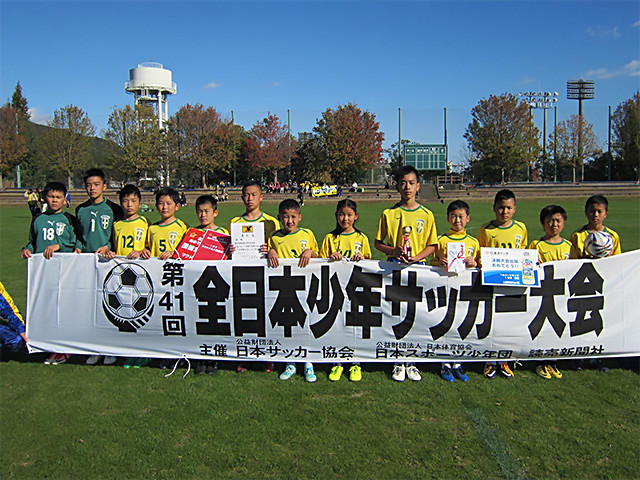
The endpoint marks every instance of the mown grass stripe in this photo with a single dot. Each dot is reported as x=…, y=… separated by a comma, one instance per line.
x=509, y=467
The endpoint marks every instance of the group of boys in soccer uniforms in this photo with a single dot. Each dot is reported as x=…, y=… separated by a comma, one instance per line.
x=406, y=233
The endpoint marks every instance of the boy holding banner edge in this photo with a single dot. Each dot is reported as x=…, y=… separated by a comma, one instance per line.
x=407, y=234
x=503, y=232
x=458, y=218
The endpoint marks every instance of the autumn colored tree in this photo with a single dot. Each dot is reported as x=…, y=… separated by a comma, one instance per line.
x=269, y=147
x=626, y=139
x=501, y=138
x=308, y=163
x=13, y=143
x=137, y=141
x=566, y=146
x=199, y=138
x=350, y=141
x=395, y=157
x=68, y=141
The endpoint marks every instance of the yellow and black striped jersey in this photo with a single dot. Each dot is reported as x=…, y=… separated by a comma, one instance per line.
x=161, y=238
x=347, y=244
x=513, y=236
x=130, y=235
x=291, y=245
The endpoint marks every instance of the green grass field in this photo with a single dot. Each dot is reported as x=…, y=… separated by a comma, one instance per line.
x=73, y=421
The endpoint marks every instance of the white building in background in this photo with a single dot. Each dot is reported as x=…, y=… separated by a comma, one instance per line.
x=151, y=84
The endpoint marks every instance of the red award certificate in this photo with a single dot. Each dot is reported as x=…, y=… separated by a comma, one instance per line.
x=203, y=245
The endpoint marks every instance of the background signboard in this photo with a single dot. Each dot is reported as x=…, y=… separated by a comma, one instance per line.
x=426, y=157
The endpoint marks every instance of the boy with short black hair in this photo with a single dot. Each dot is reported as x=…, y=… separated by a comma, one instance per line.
x=293, y=241
x=130, y=233
x=252, y=197
x=551, y=246
x=407, y=234
x=596, y=210
x=458, y=218
x=164, y=236
x=53, y=231
x=97, y=215
x=503, y=232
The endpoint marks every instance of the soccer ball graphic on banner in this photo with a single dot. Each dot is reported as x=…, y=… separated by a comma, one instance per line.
x=598, y=244
x=127, y=298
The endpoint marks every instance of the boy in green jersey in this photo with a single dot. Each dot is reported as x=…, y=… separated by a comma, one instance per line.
x=52, y=231
x=97, y=215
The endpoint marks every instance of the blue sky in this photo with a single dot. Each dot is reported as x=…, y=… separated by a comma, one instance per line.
x=306, y=56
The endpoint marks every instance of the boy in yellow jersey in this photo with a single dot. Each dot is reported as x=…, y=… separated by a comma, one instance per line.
x=503, y=232
x=293, y=241
x=252, y=196
x=13, y=338
x=458, y=218
x=207, y=211
x=596, y=210
x=551, y=247
x=130, y=233
x=164, y=236
x=407, y=233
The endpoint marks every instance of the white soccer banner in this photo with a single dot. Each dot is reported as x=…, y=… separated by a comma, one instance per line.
x=367, y=311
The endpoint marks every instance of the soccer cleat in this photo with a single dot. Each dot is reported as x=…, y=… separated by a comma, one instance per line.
x=130, y=362
x=200, y=368
x=49, y=360
x=109, y=360
x=309, y=374
x=212, y=367
x=552, y=369
x=289, y=371
x=447, y=374
x=490, y=370
x=336, y=373
x=61, y=358
x=242, y=367
x=460, y=374
x=93, y=360
x=399, y=373
x=413, y=373
x=505, y=371
x=542, y=371
x=268, y=368
x=355, y=373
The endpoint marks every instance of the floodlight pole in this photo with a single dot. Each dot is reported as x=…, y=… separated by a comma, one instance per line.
x=580, y=90
x=400, y=135
x=555, y=144
x=544, y=101
x=609, y=166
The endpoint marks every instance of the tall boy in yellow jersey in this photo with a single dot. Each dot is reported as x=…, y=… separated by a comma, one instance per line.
x=164, y=236
x=252, y=196
x=596, y=210
x=292, y=241
x=423, y=239
x=130, y=233
x=503, y=232
x=551, y=247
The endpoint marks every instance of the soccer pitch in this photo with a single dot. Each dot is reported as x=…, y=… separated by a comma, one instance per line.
x=72, y=421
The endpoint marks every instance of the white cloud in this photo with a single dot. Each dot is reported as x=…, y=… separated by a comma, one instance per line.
x=211, y=85
x=527, y=80
x=274, y=84
x=603, y=32
x=637, y=24
x=631, y=69
x=37, y=117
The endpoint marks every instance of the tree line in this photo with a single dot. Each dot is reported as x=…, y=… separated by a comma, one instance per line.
x=199, y=147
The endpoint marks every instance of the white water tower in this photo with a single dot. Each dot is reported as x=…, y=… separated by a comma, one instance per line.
x=151, y=84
